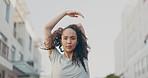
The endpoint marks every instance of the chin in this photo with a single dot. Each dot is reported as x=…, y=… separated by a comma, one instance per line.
x=68, y=51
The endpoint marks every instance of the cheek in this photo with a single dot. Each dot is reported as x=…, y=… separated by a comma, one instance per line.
x=63, y=42
x=75, y=43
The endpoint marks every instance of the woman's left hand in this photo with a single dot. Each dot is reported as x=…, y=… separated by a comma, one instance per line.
x=72, y=13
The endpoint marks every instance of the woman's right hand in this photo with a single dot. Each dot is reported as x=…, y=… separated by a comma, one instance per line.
x=73, y=13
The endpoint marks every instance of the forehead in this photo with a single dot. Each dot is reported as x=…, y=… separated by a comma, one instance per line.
x=69, y=32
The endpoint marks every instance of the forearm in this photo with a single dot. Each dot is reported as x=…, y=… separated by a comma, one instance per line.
x=81, y=27
x=50, y=25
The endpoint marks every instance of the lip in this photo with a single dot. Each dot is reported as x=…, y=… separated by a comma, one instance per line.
x=68, y=46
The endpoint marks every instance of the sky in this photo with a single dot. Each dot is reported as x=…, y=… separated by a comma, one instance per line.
x=102, y=24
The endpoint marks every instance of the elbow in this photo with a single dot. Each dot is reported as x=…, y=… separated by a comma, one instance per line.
x=47, y=29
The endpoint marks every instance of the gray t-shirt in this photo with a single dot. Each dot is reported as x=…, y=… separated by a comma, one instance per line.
x=62, y=67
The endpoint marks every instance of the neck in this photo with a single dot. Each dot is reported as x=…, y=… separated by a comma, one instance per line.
x=68, y=54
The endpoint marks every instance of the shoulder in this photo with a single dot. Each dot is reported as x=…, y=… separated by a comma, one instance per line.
x=54, y=54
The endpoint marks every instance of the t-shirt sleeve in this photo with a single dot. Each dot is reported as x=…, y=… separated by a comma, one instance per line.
x=54, y=55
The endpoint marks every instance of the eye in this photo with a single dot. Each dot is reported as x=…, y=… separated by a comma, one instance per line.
x=73, y=38
x=65, y=38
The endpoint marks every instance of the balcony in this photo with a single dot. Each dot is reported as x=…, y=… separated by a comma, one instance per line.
x=4, y=49
x=22, y=68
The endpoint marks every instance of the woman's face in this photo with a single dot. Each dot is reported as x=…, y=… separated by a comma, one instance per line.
x=69, y=40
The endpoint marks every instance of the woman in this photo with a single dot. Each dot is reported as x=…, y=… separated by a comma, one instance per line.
x=70, y=40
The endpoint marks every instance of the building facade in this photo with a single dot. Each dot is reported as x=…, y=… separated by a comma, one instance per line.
x=19, y=54
x=131, y=46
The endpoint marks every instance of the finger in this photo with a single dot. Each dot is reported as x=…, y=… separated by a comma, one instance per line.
x=73, y=15
x=80, y=14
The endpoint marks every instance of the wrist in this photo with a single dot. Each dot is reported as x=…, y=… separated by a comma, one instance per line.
x=64, y=13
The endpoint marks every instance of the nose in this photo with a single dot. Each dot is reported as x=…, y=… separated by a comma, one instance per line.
x=69, y=41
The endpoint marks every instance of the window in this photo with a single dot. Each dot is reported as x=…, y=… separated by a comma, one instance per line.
x=6, y=9
x=139, y=67
x=136, y=70
x=30, y=43
x=0, y=47
x=4, y=49
x=144, y=66
x=20, y=41
x=21, y=57
x=13, y=50
x=14, y=30
x=2, y=74
x=146, y=39
x=147, y=62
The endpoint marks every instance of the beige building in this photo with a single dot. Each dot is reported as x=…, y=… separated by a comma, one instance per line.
x=131, y=46
x=19, y=54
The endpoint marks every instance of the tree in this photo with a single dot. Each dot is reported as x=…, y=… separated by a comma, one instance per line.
x=112, y=76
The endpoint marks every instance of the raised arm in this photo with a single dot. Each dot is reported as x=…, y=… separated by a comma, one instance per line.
x=81, y=27
x=50, y=25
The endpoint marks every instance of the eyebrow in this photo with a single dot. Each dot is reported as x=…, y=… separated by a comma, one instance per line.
x=69, y=36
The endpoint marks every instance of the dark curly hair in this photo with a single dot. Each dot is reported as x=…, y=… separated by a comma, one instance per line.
x=81, y=50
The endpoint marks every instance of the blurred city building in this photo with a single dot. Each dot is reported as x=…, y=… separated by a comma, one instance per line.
x=131, y=46
x=19, y=53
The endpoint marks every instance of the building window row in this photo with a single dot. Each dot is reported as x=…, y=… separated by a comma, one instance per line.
x=6, y=9
x=141, y=67
x=4, y=49
x=2, y=74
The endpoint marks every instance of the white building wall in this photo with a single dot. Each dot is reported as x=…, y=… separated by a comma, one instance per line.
x=119, y=54
x=134, y=50
x=6, y=28
x=25, y=37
